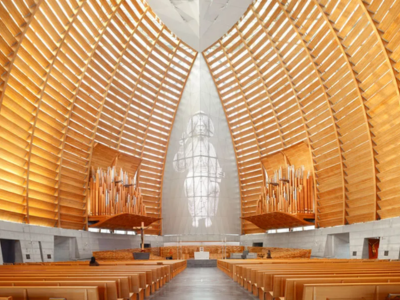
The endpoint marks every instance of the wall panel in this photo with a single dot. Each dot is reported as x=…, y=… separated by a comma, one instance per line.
x=79, y=73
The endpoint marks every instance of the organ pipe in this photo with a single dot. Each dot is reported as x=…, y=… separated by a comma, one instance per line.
x=288, y=190
x=113, y=192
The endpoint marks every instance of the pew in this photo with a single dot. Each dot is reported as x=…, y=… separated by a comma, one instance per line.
x=6, y=298
x=284, y=285
x=350, y=291
x=122, y=283
x=136, y=282
x=131, y=278
x=271, y=279
x=107, y=290
x=259, y=276
x=46, y=292
x=295, y=287
x=150, y=275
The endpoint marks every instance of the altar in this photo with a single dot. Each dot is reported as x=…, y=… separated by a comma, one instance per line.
x=202, y=255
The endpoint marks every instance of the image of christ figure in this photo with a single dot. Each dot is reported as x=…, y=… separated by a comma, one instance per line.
x=197, y=157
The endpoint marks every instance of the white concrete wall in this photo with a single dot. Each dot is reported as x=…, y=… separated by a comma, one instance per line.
x=202, y=237
x=338, y=245
x=64, y=248
x=387, y=230
x=87, y=242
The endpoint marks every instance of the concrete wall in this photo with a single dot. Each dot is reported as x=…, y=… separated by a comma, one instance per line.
x=338, y=245
x=86, y=242
x=65, y=248
x=318, y=240
x=202, y=237
x=387, y=230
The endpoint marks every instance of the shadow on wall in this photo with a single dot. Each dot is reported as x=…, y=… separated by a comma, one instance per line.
x=10, y=251
x=338, y=246
x=65, y=248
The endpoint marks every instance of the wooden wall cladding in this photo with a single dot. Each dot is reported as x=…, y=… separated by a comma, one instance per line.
x=104, y=157
x=216, y=252
x=126, y=254
x=297, y=155
x=76, y=73
x=322, y=71
x=281, y=252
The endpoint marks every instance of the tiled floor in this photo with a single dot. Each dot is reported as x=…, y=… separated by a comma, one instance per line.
x=202, y=284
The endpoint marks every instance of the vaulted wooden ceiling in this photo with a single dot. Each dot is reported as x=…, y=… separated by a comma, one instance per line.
x=323, y=71
x=74, y=73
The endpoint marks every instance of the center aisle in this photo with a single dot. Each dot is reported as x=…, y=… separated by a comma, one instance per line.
x=202, y=284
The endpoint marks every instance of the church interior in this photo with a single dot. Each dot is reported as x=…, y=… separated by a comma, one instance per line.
x=199, y=149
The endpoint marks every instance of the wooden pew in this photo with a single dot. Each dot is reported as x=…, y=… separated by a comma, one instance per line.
x=6, y=298
x=122, y=283
x=350, y=291
x=107, y=289
x=295, y=287
x=259, y=277
x=150, y=284
x=269, y=276
x=151, y=274
x=46, y=292
x=136, y=282
x=132, y=278
x=282, y=283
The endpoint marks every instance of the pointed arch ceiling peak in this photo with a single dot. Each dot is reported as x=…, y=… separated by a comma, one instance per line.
x=199, y=23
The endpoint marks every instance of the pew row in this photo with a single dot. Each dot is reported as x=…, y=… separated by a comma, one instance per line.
x=351, y=291
x=130, y=280
x=107, y=290
x=269, y=279
x=46, y=292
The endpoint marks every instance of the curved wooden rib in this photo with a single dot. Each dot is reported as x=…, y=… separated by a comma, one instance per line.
x=124, y=221
x=381, y=43
x=56, y=217
x=81, y=72
x=353, y=78
x=70, y=86
x=112, y=77
x=289, y=79
x=18, y=41
x=365, y=118
x=276, y=220
x=383, y=15
x=380, y=94
x=340, y=161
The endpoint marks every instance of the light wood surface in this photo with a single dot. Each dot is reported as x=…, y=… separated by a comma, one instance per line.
x=322, y=72
x=122, y=221
x=293, y=278
x=76, y=74
x=127, y=279
x=276, y=219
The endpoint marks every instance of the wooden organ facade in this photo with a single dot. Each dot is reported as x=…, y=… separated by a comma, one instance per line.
x=81, y=73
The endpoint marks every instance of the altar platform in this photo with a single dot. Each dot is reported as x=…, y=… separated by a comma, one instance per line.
x=201, y=263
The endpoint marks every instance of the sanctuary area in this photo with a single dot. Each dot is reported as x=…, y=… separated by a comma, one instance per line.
x=199, y=149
